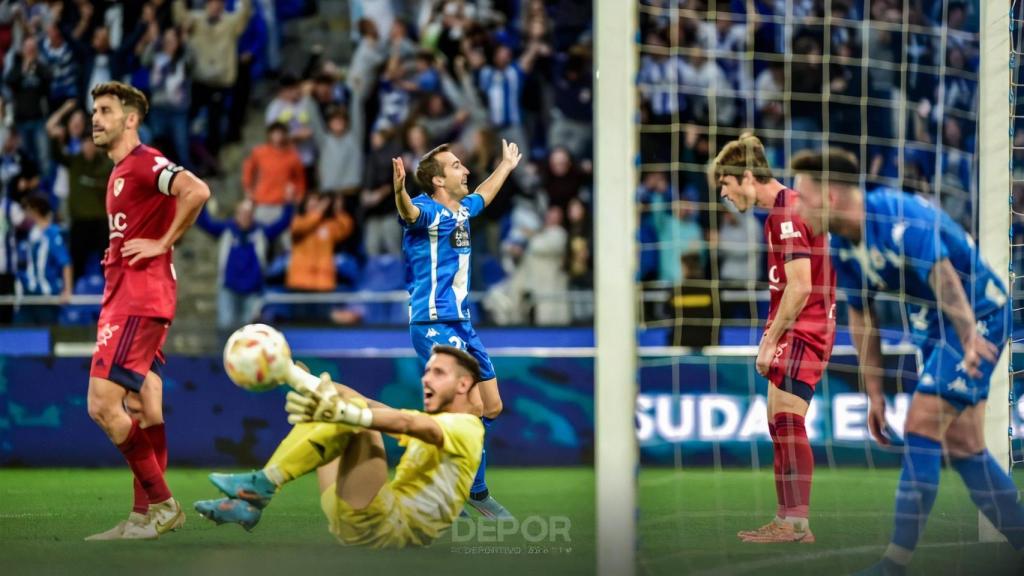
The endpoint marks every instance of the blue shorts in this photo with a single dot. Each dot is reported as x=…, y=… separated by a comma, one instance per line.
x=939, y=369
x=458, y=334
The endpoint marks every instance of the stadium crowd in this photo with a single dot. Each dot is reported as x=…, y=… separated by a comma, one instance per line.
x=316, y=212
x=888, y=82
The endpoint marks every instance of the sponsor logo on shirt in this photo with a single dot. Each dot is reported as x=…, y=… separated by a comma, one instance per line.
x=460, y=238
x=787, y=231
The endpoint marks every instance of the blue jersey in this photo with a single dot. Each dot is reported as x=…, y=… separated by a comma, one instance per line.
x=42, y=258
x=437, y=249
x=904, y=237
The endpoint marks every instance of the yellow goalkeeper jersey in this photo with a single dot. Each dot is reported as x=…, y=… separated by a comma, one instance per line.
x=432, y=483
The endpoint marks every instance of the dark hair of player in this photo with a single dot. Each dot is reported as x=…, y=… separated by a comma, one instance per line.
x=37, y=204
x=463, y=358
x=744, y=153
x=275, y=126
x=430, y=167
x=834, y=165
x=129, y=96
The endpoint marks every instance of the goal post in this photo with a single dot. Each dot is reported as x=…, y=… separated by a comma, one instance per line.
x=994, y=218
x=616, y=452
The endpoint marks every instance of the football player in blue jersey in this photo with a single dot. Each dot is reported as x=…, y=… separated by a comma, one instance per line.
x=959, y=313
x=437, y=251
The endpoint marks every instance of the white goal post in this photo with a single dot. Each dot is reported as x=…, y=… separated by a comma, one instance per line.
x=994, y=214
x=615, y=140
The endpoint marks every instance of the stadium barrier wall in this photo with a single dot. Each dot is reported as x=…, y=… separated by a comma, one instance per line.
x=714, y=417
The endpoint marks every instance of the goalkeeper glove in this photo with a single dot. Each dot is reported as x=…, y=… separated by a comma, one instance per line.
x=324, y=405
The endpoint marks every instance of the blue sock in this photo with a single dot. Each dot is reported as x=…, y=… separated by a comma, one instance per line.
x=994, y=493
x=479, y=489
x=919, y=483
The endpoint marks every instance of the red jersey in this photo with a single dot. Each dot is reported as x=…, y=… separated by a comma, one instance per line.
x=140, y=205
x=789, y=237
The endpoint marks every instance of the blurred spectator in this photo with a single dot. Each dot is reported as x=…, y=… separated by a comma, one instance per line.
x=537, y=291
x=272, y=173
x=29, y=79
x=12, y=217
x=806, y=84
x=580, y=258
x=19, y=174
x=382, y=234
x=169, y=83
x=502, y=86
x=704, y=79
x=295, y=110
x=738, y=264
x=320, y=224
x=676, y=226
x=63, y=63
x=341, y=144
x=572, y=115
x=562, y=179
x=243, y=245
x=101, y=63
x=87, y=173
x=213, y=38
x=44, y=264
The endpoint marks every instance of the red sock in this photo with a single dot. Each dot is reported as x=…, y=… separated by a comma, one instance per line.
x=797, y=463
x=139, y=453
x=780, y=509
x=158, y=440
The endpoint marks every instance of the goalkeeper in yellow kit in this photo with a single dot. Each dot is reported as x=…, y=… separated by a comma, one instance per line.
x=338, y=433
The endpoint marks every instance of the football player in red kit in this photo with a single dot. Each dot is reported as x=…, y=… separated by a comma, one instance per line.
x=151, y=202
x=797, y=340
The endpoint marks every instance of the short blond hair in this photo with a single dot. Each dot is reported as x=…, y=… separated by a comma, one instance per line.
x=742, y=154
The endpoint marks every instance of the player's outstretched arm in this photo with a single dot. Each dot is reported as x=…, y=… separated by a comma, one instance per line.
x=406, y=209
x=192, y=193
x=311, y=406
x=510, y=158
x=868, y=344
x=949, y=293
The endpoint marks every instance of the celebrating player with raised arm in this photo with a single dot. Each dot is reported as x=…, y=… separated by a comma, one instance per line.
x=151, y=202
x=959, y=311
x=437, y=251
x=797, y=340
x=338, y=433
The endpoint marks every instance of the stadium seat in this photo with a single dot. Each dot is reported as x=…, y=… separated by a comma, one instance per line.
x=382, y=274
x=84, y=314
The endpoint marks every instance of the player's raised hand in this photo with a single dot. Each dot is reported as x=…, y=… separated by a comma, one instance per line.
x=142, y=248
x=510, y=153
x=398, y=170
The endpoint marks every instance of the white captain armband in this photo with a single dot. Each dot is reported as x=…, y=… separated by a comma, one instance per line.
x=166, y=176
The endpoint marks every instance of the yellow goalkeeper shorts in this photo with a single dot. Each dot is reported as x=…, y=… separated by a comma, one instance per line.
x=382, y=524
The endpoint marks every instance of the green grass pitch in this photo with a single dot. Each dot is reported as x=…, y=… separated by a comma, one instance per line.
x=44, y=514
x=688, y=521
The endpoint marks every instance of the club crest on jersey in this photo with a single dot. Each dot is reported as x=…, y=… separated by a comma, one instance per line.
x=118, y=186
x=787, y=231
x=459, y=238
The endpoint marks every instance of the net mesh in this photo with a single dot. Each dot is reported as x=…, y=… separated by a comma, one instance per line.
x=895, y=82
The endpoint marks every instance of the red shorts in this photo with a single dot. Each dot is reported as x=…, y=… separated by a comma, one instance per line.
x=127, y=347
x=796, y=360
